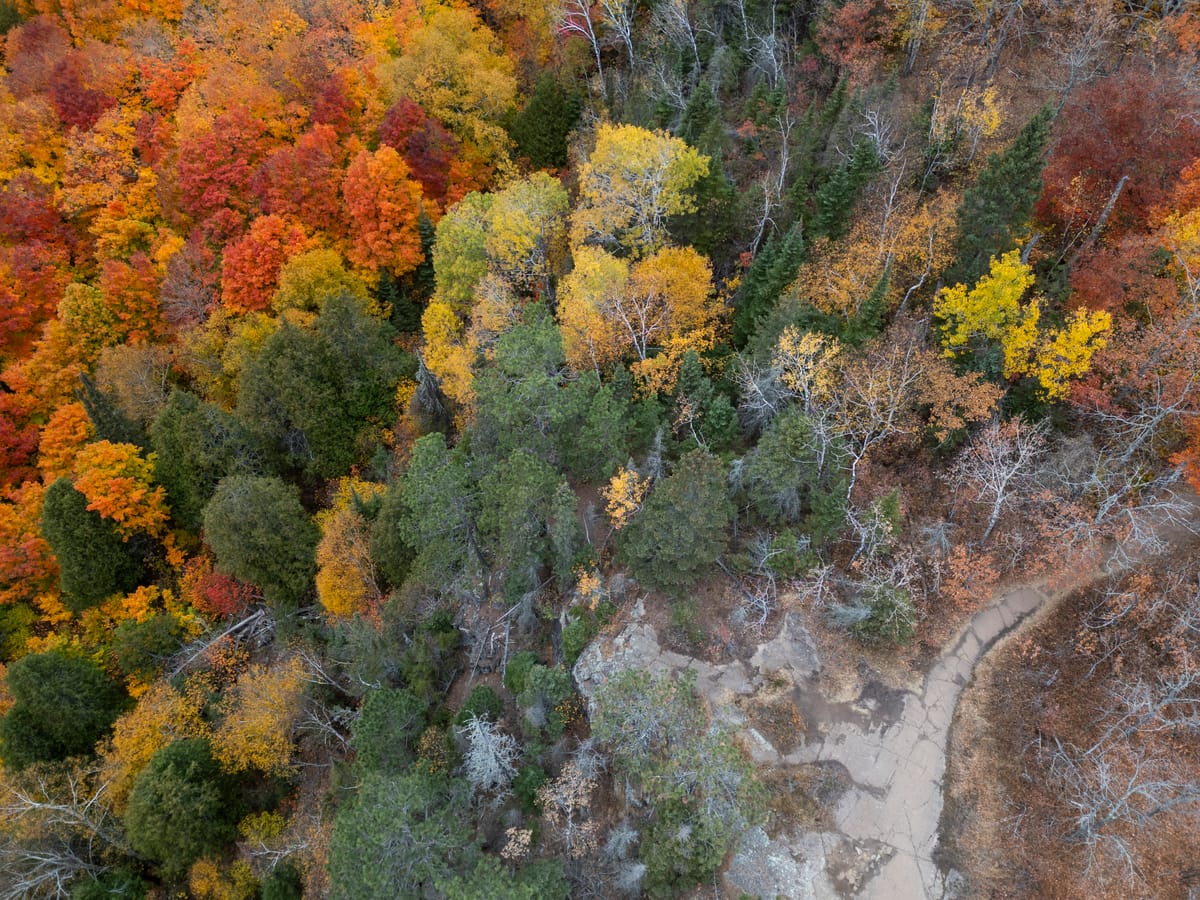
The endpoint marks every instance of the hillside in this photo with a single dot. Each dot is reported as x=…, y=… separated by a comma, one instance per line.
x=543, y=449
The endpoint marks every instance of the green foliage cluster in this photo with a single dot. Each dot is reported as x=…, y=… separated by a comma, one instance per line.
x=198, y=444
x=699, y=785
x=261, y=534
x=385, y=735
x=62, y=705
x=680, y=530
x=307, y=395
x=996, y=210
x=182, y=807
x=93, y=562
x=791, y=477
x=398, y=836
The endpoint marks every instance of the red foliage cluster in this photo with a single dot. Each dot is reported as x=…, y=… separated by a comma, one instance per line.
x=252, y=264
x=216, y=169
x=1155, y=112
x=426, y=145
x=302, y=181
x=223, y=596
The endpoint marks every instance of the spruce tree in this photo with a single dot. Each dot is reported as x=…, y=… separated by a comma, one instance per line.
x=995, y=211
x=835, y=198
x=93, y=562
x=540, y=130
x=771, y=272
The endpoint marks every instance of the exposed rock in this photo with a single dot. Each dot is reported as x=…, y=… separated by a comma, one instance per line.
x=793, y=869
x=793, y=648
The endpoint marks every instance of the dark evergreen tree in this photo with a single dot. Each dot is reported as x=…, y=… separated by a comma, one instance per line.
x=995, y=211
x=141, y=648
x=680, y=530
x=182, y=807
x=108, y=421
x=541, y=128
x=836, y=197
x=309, y=394
x=261, y=534
x=868, y=322
x=527, y=399
x=704, y=415
x=792, y=472
x=62, y=705
x=197, y=444
x=389, y=549
x=385, y=735
x=441, y=509
x=93, y=562
x=716, y=216
x=398, y=835
x=491, y=880
x=515, y=507
x=565, y=533
x=769, y=275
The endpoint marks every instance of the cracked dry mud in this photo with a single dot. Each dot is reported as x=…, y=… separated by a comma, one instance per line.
x=890, y=744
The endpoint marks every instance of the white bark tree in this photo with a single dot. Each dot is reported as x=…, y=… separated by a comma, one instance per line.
x=998, y=462
x=490, y=760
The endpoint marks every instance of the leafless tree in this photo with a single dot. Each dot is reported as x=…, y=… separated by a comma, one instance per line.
x=574, y=17
x=58, y=824
x=998, y=462
x=762, y=395
x=673, y=19
x=490, y=759
x=618, y=16
x=875, y=397
x=1126, y=783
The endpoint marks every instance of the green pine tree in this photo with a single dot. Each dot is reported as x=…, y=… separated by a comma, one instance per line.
x=995, y=211
x=771, y=272
x=93, y=562
x=835, y=198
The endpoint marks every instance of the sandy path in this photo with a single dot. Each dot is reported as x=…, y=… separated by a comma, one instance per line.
x=892, y=744
x=896, y=765
x=897, y=762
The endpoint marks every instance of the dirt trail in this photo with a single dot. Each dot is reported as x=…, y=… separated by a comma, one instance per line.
x=896, y=762
x=890, y=742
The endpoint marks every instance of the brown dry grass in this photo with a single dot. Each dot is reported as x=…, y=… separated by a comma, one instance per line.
x=1004, y=823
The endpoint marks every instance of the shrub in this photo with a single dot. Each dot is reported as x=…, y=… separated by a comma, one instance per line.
x=61, y=706
x=483, y=703
x=387, y=731
x=517, y=670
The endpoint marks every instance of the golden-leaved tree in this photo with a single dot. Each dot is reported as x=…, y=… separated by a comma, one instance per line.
x=348, y=581
x=633, y=181
x=992, y=313
x=652, y=311
x=260, y=712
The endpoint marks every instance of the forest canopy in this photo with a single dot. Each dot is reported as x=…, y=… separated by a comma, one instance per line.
x=370, y=370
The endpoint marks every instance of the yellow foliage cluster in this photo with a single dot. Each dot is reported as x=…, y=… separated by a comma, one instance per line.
x=162, y=716
x=259, y=714
x=993, y=311
x=347, y=582
x=308, y=279
x=446, y=352
x=805, y=361
x=631, y=184
x=655, y=310
x=211, y=880
x=624, y=495
x=907, y=242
